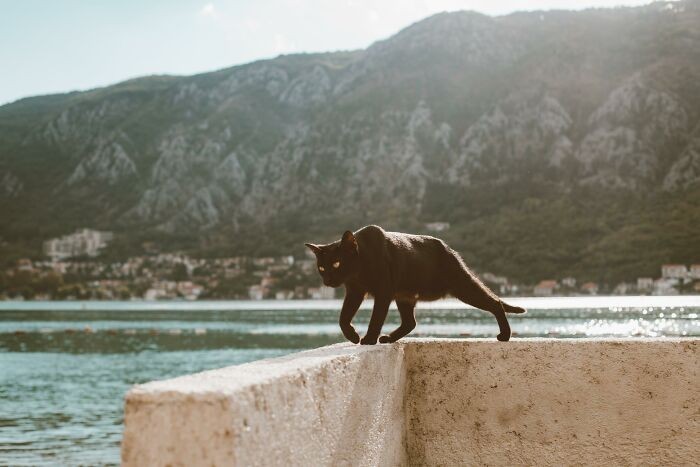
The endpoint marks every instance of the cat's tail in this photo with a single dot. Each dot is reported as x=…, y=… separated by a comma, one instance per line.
x=513, y=309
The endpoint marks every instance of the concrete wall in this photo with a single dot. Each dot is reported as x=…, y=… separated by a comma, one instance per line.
x=553, y=402
x=429, y=402
x=338, y=405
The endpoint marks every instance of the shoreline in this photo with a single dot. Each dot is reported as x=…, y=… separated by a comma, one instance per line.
x=555, y=302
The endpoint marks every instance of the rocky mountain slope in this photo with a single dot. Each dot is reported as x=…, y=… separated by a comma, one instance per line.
x=567, y=127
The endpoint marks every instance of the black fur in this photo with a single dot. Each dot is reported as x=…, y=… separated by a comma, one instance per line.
x=401, y=267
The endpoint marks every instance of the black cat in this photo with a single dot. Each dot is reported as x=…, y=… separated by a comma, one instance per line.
x=402, y=267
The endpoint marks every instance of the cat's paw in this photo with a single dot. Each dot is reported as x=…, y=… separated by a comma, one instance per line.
x=351, y=335
x=503, y=337
x=368, y=340
x=385, y=339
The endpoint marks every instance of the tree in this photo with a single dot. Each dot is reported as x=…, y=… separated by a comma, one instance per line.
x=179, y=273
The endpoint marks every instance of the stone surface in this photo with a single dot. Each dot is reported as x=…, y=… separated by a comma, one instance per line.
x=430, y=402
x=338, y=405
x=553, y=402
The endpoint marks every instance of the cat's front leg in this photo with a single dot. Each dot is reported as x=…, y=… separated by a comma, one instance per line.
x=408, y=322
x=379, y=312
x=352, y=302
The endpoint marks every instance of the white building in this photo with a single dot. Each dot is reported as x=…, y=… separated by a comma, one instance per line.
x=665, y=287
x=84, y=242
x=623, y=288
x=645, y=284
x=695, y=271
x=437, y=226
x=490, y=277
x=674, y=271
x=189, y=290
x=25, y=264
x=545, y=288
x=255, y=292
x=590, y=288
x=323, y=293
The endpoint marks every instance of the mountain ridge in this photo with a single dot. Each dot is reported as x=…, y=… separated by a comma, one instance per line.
x=459, y=117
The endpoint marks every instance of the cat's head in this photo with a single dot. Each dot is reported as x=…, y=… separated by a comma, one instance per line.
x=337, y=261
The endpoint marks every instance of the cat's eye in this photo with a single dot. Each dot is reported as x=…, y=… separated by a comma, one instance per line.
x=321, y=268
x=336, y=264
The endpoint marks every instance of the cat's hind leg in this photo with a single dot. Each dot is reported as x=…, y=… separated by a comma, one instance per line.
x=408, y=322
x=469, y=289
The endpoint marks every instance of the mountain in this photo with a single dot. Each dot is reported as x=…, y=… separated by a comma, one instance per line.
x=555, y=143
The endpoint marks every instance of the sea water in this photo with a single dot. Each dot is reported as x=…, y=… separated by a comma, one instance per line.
x=65, y=366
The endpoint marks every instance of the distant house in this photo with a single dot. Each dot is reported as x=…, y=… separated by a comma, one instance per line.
x=25, y=264
x=545, y=288
x=695, y=271
x=665, y=286
x=623, y=288
x=437, y=226
x=569, y=282
x=160, y=290
x=284, y=295
x=645, y=284
x=152, y=294
x=84, y=242
x=323, y=293
x=590, y=288
x=674, y=271
x=494, y=279
x=255, y=292
x=189, y=290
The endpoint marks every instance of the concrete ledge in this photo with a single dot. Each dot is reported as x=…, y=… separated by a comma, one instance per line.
x=429, y=402
x=338, y=405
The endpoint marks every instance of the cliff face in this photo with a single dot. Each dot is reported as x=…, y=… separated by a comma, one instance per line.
x=456, y=108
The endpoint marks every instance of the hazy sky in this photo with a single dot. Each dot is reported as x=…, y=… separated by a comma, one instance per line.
x=51, y=46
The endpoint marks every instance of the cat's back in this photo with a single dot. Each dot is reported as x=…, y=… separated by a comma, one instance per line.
x=416, y=244
x=401, y=244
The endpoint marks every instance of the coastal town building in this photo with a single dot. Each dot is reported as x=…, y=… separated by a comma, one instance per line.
x=437, y=226
x=674, y=271
x=256, y=292
x=590, y=288
x=645, y=284
x=545, y=288
x=494, y=279
x=624, y=288
x=84, y=242
x=665, y=286
x=25, y=264
x=321, y=293
x=694, y=271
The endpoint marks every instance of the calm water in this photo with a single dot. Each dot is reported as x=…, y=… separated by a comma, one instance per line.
x=65, y=366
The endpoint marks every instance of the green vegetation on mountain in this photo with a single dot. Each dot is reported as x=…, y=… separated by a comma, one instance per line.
x=555, y=143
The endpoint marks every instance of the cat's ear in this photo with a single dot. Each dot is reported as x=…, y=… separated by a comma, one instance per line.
x=349, y=241
x=315, y=248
